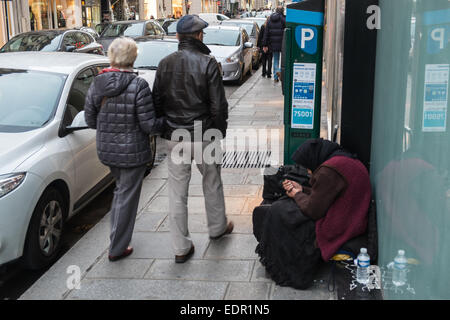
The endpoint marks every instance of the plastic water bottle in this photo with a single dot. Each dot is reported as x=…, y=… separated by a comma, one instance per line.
x=362, y=272
x=399, y=270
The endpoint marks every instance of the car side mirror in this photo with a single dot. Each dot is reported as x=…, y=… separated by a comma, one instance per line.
x=78, y=123
x=248, y=45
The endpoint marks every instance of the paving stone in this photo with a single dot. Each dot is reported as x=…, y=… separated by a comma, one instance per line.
x=233, y=246
x=158, y=245
x=126, y=269
x=133, y=289
x=213, y=270
x=259, y=273
x=197, y=223
x=251, y=204
x=148, y=192
x=314, y=293
x=229, y=190
x=248, y=291
x=53, y=284
x=149, y=221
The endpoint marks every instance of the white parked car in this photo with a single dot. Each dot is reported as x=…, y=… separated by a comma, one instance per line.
x=232, y=48
x=49, y=167
x=213, y=18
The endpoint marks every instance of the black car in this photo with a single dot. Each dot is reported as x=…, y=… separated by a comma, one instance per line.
x=132, y=29
x=54, y=40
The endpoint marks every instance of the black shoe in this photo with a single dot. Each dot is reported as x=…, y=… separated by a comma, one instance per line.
x=184, y=258
x=263, y=75
x=269, y=76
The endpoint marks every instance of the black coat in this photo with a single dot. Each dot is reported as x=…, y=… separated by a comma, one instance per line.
x=273, y=35
x=188, y=87
x=125, y=121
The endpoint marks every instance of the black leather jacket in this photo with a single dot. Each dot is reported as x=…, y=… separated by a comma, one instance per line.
x=188, y=87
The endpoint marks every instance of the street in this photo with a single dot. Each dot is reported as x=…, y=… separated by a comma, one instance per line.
x=14, y=280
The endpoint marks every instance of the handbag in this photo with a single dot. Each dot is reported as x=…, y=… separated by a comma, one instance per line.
x=273, y=180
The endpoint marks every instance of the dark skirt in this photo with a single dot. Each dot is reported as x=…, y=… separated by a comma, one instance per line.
x=286, y=243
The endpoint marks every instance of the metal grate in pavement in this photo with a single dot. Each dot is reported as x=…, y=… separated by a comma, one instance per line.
x=246, y=159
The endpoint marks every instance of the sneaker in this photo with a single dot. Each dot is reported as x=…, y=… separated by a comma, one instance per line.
x=184, y=258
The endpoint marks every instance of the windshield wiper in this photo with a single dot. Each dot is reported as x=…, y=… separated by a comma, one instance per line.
x=147, y=67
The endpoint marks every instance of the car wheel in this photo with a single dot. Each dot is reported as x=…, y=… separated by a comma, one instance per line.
x=153, y=151
x=45, y=231
x=241, y=78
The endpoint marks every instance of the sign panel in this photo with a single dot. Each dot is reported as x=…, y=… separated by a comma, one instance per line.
x=435, y=98
x=303, y=94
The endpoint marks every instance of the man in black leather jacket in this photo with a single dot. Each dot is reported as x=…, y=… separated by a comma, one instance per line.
x=189, y=93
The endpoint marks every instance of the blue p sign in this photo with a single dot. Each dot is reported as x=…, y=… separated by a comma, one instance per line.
x=306, y=37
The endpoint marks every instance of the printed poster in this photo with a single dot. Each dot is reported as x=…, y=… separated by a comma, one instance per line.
x=303, y=94
x=435, y=98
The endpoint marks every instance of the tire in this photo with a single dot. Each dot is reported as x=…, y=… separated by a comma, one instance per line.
x=241, y=79
x=41, y=248
x=152, y=161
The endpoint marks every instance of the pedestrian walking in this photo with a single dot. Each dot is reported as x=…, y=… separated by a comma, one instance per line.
x=273, y=39
x=119, y=105
x=188, y=90
x=266, y=57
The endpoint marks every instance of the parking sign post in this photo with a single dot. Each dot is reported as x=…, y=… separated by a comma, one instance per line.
x=302, y=72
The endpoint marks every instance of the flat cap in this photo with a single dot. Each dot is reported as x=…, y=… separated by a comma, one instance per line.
x=191, y=23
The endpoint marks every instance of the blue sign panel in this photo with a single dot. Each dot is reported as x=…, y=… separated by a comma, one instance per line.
x=306, y=37
x=303, y=117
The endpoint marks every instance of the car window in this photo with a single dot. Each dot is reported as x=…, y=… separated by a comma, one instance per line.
x=158, y=29
x=33, y=42
x=245, y=36
x=23, y=112
x=77, y=95
x=149, y=30
x=123, y=29
x=87, y=38
x=81, y=40
x=70, y=40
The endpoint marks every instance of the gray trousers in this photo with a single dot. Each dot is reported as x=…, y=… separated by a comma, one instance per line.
x=124, y=206
x=179, y=176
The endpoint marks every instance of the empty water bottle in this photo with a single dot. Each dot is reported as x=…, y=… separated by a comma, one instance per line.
x=362, y=272
x=399, y=269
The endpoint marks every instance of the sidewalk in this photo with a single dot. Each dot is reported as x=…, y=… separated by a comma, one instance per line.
x=223, y=269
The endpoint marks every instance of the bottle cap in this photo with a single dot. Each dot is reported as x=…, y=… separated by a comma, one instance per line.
x=401, y=252
x=363, y=250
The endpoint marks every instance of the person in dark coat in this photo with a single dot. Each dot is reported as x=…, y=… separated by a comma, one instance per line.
x=119, y=106
x=313, y=222
x=188, y=91
x=273, y=39
x=266, y=57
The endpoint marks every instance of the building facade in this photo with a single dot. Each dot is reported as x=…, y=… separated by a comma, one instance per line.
x=27, y=15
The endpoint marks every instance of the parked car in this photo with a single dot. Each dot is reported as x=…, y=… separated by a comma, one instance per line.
x=213, y=18
x=49, y=168
x=132, y=29
x=54, y=40
x=170, y=26
x=150, y=53
x=99, y=28
x=253, y=32
x=231, y=46
x=259, y=21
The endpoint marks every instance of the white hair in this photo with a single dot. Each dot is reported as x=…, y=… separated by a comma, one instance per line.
x=122, y=52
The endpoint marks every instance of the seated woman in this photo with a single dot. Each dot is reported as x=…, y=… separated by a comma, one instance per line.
x=313, y=223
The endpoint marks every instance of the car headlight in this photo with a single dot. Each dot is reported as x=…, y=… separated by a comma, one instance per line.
x=233, y=58
x=8, y=182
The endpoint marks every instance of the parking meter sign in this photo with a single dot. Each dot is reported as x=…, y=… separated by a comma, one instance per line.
x=303, y=94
